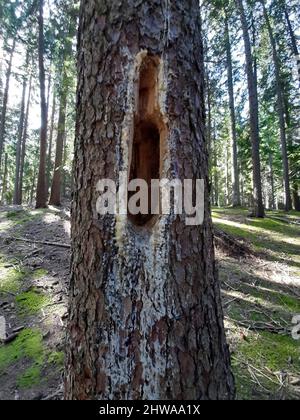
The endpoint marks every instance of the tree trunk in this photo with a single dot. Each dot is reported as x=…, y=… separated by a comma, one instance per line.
x=296, y=197
x=41, y=191
x=50, y=143
x=293, y=41
x=55, y=196
x=16, y=199
x=272, y=201
x=24, y=140
x=4, y=185
x=5, y=102
x=145, y=312
x=254, y=121
x=281, y=117
x=236, y=199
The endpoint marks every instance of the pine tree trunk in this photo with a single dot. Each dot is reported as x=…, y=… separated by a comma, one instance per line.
x=16, y=199
x=254, y=121
x=24, y=140
x=5, y=102
x=55, y=196
x=50, y=143
x=146, y=317
x=293, y=41
x=4, y=185
x=272, y=201
x=296, y=197
x=41, y=191
x=281, y=116
x=236, y=199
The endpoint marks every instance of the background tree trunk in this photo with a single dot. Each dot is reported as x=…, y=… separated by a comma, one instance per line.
x=293, y=40
x=280, y=111
x=55, y=196
x=24, y=140
x=254, y=121
x=5, y=101
x=4, y=185
x=16, y=199
x=236, y=199
x=50, y=143
x=145, y=311
x=41, y=192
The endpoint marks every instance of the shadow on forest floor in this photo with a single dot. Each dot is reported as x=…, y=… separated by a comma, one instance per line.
x=261, y=295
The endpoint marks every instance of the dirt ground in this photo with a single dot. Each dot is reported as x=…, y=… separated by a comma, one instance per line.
x=33, y=301
x=260, y=296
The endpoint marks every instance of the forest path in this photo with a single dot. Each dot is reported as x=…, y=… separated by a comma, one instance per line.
x=33, y=302
x=261, y=294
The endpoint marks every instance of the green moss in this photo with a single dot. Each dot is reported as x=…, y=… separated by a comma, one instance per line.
x=274, y=351
x=30, y=378
x=56, y=358
x=27, y=345
x=293, y=304
x=39, y=273
x=31, y=302
x=11, y=278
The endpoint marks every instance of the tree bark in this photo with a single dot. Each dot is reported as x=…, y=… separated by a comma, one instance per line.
x=272, y=201
x=41, y=191
x=280, y=111
x=293, y=40
x=254, y=120
x=55, y=196
x=145, y=312
x=24, y=140
x=4, y=185
x=236, y=199
x=5, y=101
x=50, y=143
x=16, y=199
x=296, y=197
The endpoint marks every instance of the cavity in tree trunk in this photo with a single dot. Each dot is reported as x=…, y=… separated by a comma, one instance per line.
x=41, y=191
x=5, y=101
x=236, y=199
x=24, y=139
x=254, y=121
x=281, y=116
x=145, y=310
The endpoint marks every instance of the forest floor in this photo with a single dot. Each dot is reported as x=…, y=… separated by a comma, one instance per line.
x=261, y=294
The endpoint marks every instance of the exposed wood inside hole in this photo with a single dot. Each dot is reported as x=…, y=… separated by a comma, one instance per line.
x=149, y=132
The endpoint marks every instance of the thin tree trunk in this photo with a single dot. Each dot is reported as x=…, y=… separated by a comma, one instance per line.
x=281, y=117
x=16, y=199
x=50, y=143
x=24, y=140
x=296, y=197
x=4, y=185
x=293, y=41
x=236, y=199
x=254, y=121
x=272, y=182
x=5, y=101
x=146, y=318
x=55, y=196
x=41, y=191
